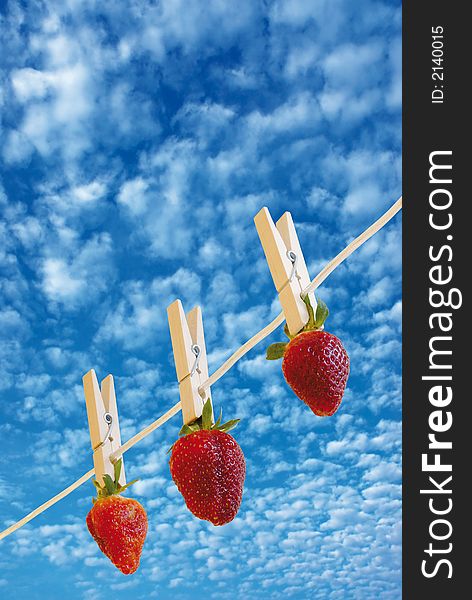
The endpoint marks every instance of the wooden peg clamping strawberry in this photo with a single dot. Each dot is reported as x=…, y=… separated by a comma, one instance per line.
x=315, y=363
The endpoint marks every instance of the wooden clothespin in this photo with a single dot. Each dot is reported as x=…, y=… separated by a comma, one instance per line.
x=191, y=365
x=103, y=422
x=287, y=266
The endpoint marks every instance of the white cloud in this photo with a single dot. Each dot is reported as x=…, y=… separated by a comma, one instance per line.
x=301, y=59
x=30, y=84
x=379, y=293
x=300, y=111
x=75, y=281
x=89, y=192
x=17, y=147
x=133, y=196
x=259, y=367
x=12, y=323
x=205, y=121
x=44, y=122
x=297, y=12
x=384, y=472
x=352, y=65
x=58, y=283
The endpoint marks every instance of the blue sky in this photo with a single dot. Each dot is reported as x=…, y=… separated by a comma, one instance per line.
x=137, y=142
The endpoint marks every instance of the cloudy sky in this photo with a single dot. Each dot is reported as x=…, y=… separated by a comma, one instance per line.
x=138, y=139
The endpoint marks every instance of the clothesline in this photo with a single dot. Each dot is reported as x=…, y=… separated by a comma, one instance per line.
x=224, y=368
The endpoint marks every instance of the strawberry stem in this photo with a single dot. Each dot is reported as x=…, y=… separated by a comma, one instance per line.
x=205, y=422
x=112, y=486
x=315, y=321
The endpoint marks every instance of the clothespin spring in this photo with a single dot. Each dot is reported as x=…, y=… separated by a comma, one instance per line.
x=293, y=258
x=108, y=419
x=197, y=351
x=195, y=348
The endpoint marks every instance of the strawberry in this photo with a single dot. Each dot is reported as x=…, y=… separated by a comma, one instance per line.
x=316, y=367
x=315, y=363
x=118, y=525
x=208, y=467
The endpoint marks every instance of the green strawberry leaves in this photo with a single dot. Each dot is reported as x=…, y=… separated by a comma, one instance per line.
x=228, y=425
x=315, y=321
x=109, y=485
x=207, y=413
x=322, y=313
x=117, y=469
x=205, y=422
x=276, y=351
x=186, y=429
x=112, y=486
x=311, y=314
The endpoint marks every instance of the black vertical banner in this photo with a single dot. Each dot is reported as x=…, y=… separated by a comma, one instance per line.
x=437, y=320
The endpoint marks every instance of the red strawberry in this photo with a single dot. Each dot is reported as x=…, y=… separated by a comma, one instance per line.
x=316, y=367
x=315, y=364
x=118, y=525
x=208, y=467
